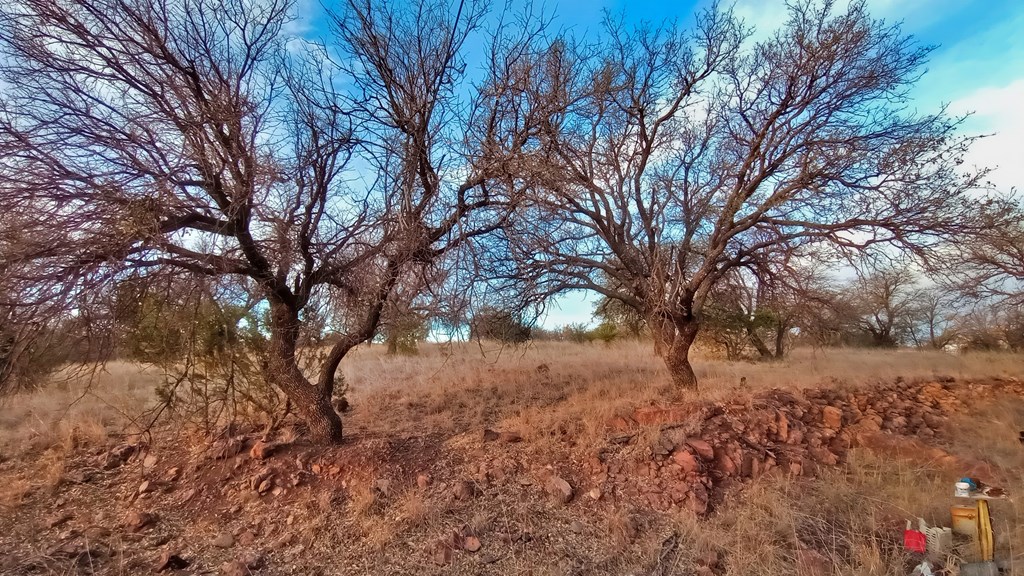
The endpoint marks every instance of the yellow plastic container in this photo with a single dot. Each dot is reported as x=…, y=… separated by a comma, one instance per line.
x=965, y=520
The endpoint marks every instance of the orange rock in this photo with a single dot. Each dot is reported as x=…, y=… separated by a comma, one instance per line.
x=702, y=448
x=649, y=415
x=686, y=461
x=261, y=450
x=724, y=464
x=781, y=426
x=832, y=417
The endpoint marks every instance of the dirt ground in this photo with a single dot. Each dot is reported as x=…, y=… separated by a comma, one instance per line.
x=521, y=467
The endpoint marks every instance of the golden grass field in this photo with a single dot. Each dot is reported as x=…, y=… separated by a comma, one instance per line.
x=454, y=391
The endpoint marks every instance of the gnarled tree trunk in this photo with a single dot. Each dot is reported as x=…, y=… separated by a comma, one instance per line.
x=673, y=342
x=313, y=403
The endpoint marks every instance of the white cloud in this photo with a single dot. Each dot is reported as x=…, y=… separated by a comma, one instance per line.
x=997, y=110
x=768, y=15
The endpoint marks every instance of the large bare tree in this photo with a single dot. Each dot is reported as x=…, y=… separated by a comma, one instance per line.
x=146, y=137
x=678, y=156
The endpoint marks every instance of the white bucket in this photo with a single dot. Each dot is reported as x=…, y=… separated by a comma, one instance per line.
x=963, y=490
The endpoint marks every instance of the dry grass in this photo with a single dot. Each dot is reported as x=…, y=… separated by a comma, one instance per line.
x=72, y=413
x=632, y=364
x=551, y=392
x=459, y=387
x=854, y=516
x=554, y=386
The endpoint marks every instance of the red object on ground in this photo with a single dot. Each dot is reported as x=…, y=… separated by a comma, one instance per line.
x=915, y=541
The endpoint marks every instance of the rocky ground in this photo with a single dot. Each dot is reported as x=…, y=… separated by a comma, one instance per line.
x=479, y=502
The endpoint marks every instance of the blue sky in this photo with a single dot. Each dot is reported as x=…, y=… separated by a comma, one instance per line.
x=977, y=68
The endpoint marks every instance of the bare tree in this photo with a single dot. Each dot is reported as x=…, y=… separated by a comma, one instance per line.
x=762, y=302
x=940, y=322
x=678, y=157
x=144, y=137
x=991, y=266
x=887, y=301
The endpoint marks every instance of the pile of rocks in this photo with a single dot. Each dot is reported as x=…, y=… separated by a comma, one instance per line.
x=687, y=456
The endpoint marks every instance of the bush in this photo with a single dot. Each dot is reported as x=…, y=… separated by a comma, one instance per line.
x=490, y=324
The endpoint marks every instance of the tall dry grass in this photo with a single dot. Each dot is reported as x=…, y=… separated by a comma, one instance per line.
x=453, y=387
x=854, y=516
x=548, y=385
x=71, y=412
x=369, y=367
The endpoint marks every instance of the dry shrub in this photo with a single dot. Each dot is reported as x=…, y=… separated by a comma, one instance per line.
x=363, y=499
x=413, y=508
x=13, y=491
x=623, y=528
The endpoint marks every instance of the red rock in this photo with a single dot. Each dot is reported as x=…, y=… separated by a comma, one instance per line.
x=442, y=554
x=649, y=415
x=751, y=466
x=471, y=544
x=832, y=417
x=262, y=450
x=137, y=521
x=724, y=464
x=464, y=490
x=698, y=501
x=686, y=461
x=796, y=436
x=840, y=444
x=824, y=456
x=559, y=489
x=490, y=435
x=781, y=426
x=702, y=448
x=170, y=561
x=246, y=538
x=423, y=480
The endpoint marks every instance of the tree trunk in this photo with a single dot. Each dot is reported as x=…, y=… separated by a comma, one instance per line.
x=677, y=354
x=315, y=410
x=312, y=403
x=781, y=330
x=392, y=345
x=758, y=343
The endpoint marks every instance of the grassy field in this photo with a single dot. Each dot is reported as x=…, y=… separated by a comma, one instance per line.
x=466, y=385
x=560, y=398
